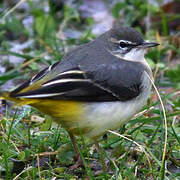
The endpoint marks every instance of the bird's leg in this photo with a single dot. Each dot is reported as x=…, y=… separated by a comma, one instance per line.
x=74, y=145
x=99, y=150
x=79, y=161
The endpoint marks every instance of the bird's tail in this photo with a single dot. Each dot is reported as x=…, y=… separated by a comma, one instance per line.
x=17, y=101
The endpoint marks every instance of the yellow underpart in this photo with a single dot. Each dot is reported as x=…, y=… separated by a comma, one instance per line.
x=67, y=113
x=67, y=110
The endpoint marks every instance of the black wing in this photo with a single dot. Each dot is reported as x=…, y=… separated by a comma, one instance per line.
x=115, y=82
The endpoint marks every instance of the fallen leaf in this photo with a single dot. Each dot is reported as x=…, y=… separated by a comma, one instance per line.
x=37, y=119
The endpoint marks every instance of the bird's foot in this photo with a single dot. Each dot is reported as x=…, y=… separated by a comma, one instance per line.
x=78, y=163
x=106, y=167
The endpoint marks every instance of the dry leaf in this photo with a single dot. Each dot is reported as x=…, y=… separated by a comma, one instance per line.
x=37, y=119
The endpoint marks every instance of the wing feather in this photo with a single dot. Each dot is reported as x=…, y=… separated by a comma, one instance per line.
x=104, y=83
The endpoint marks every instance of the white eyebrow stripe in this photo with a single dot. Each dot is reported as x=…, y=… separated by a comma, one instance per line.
x=41, y=95
x=72, y=72
x=126, y=41
x=64, y=81
x=118, y=41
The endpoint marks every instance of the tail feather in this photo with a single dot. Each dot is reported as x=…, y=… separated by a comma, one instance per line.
x=17, y=101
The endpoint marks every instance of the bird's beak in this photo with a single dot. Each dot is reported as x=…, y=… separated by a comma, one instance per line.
x=146, y=44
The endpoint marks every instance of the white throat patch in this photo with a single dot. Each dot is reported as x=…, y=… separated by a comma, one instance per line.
x=133, y=55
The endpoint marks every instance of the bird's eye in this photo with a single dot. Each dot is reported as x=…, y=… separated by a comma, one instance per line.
x=123, y=44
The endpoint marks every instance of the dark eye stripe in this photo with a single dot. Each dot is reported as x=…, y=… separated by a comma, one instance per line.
x=126, y=45
x=123, y=44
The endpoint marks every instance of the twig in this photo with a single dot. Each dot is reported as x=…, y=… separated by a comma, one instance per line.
x=13, y=8
x=39, y=172
x=48, y=153
x=30, y=167
x=143, y=112
x=140, y=147
x=165, y=123
x=32, y=60
x=6, y=137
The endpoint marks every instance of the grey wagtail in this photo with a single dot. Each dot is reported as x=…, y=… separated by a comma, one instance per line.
x=94, y=88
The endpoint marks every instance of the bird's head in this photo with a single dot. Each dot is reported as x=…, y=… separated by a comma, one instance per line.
x=127, y=43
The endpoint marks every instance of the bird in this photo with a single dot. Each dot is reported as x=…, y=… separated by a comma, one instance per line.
x=96, y=87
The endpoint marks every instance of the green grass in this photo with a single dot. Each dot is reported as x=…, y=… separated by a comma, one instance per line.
x=43, y=150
